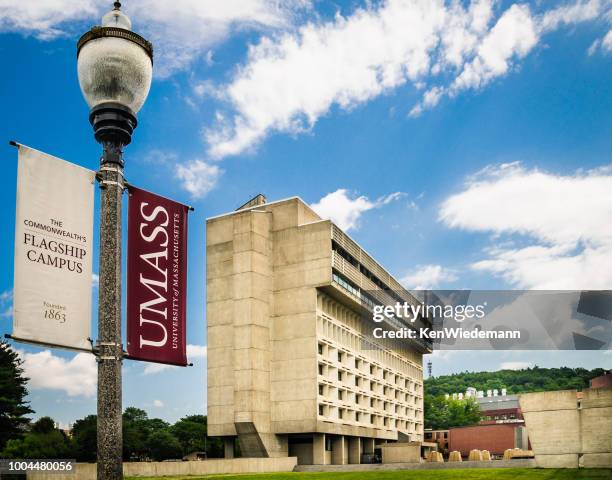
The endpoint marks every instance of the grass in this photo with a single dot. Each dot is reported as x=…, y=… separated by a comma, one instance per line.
x=463, y=474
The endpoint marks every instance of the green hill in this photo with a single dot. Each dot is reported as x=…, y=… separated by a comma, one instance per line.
x=534, y=379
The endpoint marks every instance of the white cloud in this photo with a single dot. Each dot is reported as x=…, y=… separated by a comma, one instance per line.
x=514, y=365
x=95, y=280
x=513, y=36
x=571, y=13
x=76, y=376
x=45, y=19
x=194, y=352
x=153, y=368
x=345, y=211
x=551, y=231
x=158, y=403
x=289, y=81
x=428, y=277
x=198, y=177
x=604, y=44
x=180, y=30
x=6, y=304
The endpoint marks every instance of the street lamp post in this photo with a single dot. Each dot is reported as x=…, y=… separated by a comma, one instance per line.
x=114, y=68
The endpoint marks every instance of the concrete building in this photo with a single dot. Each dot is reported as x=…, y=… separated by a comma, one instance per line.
x=567, y=432
x=292, y=368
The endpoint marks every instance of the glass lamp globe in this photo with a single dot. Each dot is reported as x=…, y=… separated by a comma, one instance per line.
x=115, y=65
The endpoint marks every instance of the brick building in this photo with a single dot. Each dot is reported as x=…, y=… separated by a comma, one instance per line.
x=496, y=438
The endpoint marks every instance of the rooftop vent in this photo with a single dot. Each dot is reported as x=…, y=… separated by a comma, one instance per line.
x=258, y=199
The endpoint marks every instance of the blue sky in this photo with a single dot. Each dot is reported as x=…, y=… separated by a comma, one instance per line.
x=464, y=145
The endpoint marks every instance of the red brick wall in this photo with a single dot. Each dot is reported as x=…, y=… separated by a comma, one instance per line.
x=494, y=438
x=602, y=382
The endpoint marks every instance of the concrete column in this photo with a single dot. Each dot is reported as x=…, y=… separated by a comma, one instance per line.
x=354, y=444
x=368, y=445
x=339, y=451
x=228, y=444
x=318, y=449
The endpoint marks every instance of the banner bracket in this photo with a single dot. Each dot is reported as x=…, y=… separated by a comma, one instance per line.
x=109, y=344
x=13, y=143
x=45, y=344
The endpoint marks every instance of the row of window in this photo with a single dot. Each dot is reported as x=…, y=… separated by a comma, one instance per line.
x=349, y=360
x=331, y=373
x=331, y=393
x=347, y=415
x=342, y=336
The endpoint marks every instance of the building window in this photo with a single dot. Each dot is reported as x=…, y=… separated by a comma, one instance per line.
x=357, y=363
x=371, y=402
x=356, y=381
x=340, y=375
x=384, y=374
x=372, y=386
x=341, y=413
x=321, y=389
x=371, y=369
x=321, y=410
x=328, y=443
x=320, y=349
x=340, y=394
x=358, y=416
x=320, y=369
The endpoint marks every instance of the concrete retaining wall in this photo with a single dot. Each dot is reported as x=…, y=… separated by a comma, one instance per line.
x=401, y=453
x=519, y=463
x=87, y=471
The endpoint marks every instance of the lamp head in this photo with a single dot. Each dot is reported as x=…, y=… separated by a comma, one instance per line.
x=115, y=68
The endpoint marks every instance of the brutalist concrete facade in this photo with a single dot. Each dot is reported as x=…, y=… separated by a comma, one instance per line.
x=291, y=370
x=566, y=432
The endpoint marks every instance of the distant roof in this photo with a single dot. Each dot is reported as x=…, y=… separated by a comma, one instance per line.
x=498, y=403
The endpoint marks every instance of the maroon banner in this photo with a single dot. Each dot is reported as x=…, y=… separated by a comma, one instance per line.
x=156, y=278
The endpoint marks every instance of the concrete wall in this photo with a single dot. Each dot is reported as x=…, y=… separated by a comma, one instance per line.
x=401, y=453
x=87, y=471
x=563, y=435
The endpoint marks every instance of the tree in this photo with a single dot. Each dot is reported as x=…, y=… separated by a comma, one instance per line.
x=135, y=433
x=534, y=379
x=42, y=441
x=85, y=437
x=442, y=413
x=163, y=445
x=43, y=425
x=13, y=391
x=192, y=432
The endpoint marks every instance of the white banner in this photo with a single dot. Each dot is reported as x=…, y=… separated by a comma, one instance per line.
x=53, y=251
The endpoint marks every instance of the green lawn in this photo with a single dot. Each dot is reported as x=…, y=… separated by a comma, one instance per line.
x=460, y=474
